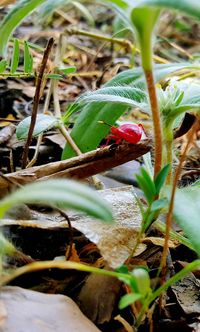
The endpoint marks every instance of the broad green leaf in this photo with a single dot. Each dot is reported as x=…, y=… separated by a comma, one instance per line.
x=15, y=56
x=190, y=7
x=136, y=76
x=14, y=17
x=43, y=123
x=187, y=213
x=28, y=59
x=161, y=177
x=61, y=193
x=114, y=98
x=3, y=65
x=129, y=299
x=87, y=132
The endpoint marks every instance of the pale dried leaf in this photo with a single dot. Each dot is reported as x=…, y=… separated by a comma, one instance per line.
x=33, y=311
x=115, y=241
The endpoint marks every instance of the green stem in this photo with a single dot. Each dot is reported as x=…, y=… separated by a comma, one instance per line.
x=168, y=150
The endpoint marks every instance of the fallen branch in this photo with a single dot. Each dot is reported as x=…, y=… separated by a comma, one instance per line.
x=79, y=167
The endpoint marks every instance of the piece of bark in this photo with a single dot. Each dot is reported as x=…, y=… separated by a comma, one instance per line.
x=79, y=167
x=24, y=310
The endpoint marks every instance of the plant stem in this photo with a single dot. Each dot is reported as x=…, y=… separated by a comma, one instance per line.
x=171, y=204
x=156, y=120
x=120, y=41
x=39, y=139
x=38, y=266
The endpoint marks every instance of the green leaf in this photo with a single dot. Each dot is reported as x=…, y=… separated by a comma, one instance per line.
x=87, y=132
x=67, y=70
x=14, y=17
x=143, y=280
x=6, y=248
x=120, y=3
x=61, y=193
x=15, y=56
x=3, y=65
x=190, y=7
x=147, y=185
x=186, y=213
x=161, y=177
x=159, y=204
x=28, y=59
x=54, y=76
x=43, y=123
x=129, y=299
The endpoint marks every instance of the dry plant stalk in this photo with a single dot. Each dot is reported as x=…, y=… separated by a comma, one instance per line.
x=36, y=100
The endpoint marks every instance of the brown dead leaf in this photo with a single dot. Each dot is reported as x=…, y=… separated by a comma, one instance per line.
x=115, y=241
x=98, y=297
x=74, y=257
x=187, y=294
x=7, y=123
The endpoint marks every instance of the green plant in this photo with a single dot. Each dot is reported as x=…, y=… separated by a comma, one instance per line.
x=136, y=88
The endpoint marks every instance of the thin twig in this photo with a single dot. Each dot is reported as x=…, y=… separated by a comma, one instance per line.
x=36, y=100
x=39, y=140
x=79, y=167
x=71, y=237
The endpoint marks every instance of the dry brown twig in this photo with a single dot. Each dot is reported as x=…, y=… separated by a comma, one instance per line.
x=39, y=82
x=79, y=167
